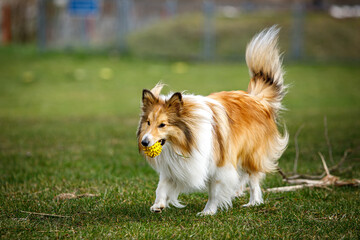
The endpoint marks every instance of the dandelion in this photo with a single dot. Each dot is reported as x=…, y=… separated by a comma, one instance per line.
x=106, y=73
x=28, y=77
x=180, y=67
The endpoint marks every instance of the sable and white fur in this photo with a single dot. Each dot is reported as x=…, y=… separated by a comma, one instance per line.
x=219, y=142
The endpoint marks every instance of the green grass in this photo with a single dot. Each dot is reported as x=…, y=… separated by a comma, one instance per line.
x=65, y=129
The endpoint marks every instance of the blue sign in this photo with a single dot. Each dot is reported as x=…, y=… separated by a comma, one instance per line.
x=83, y=8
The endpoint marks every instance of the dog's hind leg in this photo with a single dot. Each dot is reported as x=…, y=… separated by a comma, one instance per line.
x=244, y=178
x=255, y=190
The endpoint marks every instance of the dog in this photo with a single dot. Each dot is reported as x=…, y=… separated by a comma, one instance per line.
x=220, y=142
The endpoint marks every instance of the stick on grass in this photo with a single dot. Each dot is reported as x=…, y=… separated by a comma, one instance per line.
x=324, y=164
x=45, y=214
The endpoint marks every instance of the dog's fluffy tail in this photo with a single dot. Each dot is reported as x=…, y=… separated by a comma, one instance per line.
x=264, y=62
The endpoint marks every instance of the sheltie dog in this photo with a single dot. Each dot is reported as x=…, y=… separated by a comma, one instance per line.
x=219, y=142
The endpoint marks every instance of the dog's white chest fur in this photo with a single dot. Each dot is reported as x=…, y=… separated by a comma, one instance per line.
x=190, y=172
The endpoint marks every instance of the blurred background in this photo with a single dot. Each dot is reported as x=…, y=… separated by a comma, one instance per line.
x=186, y=29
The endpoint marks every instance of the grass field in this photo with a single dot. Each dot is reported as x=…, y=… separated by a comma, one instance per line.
x=67, y=124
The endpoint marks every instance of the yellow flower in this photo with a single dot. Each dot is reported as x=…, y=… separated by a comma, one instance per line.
x=106, y=73
x=180, y=67
x=28, y=77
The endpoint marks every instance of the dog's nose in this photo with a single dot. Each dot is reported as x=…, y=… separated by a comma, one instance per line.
x=145, y=142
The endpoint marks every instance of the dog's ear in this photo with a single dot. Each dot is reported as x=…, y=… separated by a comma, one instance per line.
x=157, y=89
x=175, y=102
x=148, y=98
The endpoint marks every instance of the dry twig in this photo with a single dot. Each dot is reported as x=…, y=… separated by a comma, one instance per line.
x=326, y=178
x=324, y=164
x=285, y=189
x=314, y=177
x=328, y=140
x=282, y=174
x=318, y=177
x=45, y=214
x=342, y=160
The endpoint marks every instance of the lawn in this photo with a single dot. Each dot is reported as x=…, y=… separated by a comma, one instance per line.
x=68, y=123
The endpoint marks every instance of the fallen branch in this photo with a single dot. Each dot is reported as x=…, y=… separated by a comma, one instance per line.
x=326, y=179
x=352, y=182
x=45, y=214
x=317, y=177
x=285, y=189
x=314, y=177
x=324, y=183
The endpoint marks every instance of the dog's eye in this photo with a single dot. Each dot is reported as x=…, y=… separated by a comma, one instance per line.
x=162, y=125
x=148, y=122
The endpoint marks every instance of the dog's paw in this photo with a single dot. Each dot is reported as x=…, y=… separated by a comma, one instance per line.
x=253, y=203
x=206, y=213
x=157, y=207
x=239, y=193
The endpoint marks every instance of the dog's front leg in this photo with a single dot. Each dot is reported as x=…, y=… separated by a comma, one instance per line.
x=164, y=188
x=222, y=188
x=211, y=205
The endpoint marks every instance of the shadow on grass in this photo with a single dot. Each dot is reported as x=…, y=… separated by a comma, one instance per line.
x=132, y=212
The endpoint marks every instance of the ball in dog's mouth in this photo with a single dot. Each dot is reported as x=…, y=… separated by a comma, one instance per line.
x=155, y=149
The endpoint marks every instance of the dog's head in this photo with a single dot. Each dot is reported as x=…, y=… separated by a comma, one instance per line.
x=161, y=120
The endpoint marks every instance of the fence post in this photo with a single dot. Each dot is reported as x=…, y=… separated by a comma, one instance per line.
x=209, y=30
x=6, y=23
x=171, y=7
x=297, y=42
x=41, y=32
x=124, y=15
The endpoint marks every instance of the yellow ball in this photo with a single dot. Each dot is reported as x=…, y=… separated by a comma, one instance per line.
x=153, y=150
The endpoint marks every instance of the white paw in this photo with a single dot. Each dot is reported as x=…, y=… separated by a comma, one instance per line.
x=240, y=193
x=206, y=213
x=157, y=207
x=253, y=203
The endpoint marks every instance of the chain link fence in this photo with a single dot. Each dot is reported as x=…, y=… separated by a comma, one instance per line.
x=198, y=29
